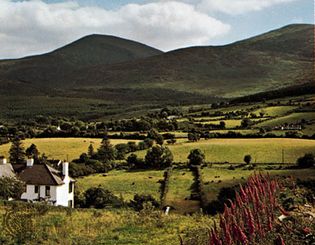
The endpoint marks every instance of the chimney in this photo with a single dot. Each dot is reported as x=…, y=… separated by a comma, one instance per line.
x=3, y=161
x=30, y=162
x=65, y=168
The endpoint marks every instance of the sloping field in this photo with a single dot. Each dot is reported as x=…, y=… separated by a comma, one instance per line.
x=292, y=118
x=62, y=148
x=233, y=150
x=125, y=184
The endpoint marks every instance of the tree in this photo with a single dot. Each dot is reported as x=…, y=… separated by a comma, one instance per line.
x=17, y=153
x=91, y=151
x=246, y=123
x=158, y=157
x=106, y=152
x=247, y=159
x=98, y=197
x=222, y=125
x=307, y=161
x=11, y=188
x=196, y=157
x=139, y=202
x=193, y=136
x=122, y=150
x=154, y=134
x=32, y=152
x=135, y=162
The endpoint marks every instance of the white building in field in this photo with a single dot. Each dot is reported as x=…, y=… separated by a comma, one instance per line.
x=45, y=183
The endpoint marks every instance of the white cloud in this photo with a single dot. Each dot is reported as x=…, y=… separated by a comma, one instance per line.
x=32, y=27
x=235, y=7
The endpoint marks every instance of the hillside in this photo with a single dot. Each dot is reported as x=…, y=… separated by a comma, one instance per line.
x=120, y=71
x=48, y=70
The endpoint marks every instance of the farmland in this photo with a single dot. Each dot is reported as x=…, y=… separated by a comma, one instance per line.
x=62, y=148
x=233, y=150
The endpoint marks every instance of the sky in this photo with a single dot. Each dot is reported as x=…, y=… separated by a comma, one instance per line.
x=39, y=26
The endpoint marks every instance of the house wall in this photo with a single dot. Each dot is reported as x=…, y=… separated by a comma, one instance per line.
x=63, y=195
x=31, y=195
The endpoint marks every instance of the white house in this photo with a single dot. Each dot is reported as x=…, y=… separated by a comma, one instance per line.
x=45, y=183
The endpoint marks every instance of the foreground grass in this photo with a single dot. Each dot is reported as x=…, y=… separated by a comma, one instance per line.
x=61, y=148
x=233, y=150
x=108, y=227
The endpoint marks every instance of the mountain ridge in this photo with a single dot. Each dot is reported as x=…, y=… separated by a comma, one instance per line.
x=102, y=67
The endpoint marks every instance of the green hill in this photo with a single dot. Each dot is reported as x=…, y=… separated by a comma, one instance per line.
x=126, y=73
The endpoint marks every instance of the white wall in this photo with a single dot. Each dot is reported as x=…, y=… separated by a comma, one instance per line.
x=59, y=195
x=63, y=195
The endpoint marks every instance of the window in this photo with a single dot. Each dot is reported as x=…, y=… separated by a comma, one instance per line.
x=70, y=187
x=36, y=189
x=47, y=190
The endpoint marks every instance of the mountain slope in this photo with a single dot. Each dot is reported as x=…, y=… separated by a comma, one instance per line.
x=266, y=62
x=48, y=70
x=124, y=72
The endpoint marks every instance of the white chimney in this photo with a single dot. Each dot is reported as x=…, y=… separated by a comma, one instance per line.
x=3, y=161
x=30, y=162
x=65, y=168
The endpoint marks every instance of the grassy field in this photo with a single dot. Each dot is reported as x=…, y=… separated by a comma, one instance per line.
x=233, y=150
x=124, y=183
x=229, y=178
x=110, y=227
x=179, y=192
x=61, y=148
x=292, y=118
x=275, y=111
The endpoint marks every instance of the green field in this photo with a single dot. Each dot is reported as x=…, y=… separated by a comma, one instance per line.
x=61, y=148
x=125, y=183
x=110, y=227
x=292, y=118
x=233, y=150
x=275, y=111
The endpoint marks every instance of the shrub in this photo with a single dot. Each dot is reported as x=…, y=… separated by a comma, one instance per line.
x=11, y=188
x=307, y=161
x=139, y=202
x=98, y=197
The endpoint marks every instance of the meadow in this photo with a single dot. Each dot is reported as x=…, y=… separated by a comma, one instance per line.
x=125, y=183
x=233, y=150
x=110, y=227
x=62, y=148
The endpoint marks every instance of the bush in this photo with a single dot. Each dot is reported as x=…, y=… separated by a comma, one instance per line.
x=139, y=202
x=10, y=188
x=98, y=197
x=307, y=161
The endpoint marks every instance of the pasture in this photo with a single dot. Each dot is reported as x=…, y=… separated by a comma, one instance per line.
x=61, y=148
x=233, y=150
x=124, y=183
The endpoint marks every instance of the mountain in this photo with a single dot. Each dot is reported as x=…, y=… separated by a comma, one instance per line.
x=127, y=73
x=274, y=60
x=47, y=70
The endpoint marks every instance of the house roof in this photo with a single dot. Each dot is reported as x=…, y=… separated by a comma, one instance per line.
x=38, y=174
x=6, y=170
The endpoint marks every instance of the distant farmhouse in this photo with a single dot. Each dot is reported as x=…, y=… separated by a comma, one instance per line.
x=43, y=182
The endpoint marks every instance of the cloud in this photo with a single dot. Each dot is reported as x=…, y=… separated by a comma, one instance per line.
x=235, y=7
x=31, y=27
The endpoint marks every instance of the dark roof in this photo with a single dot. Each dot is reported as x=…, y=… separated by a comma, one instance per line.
x=38, y=174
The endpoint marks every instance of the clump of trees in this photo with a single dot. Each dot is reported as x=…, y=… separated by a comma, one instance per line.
x=100, y=198
x=158, y=157
x=307, y=161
